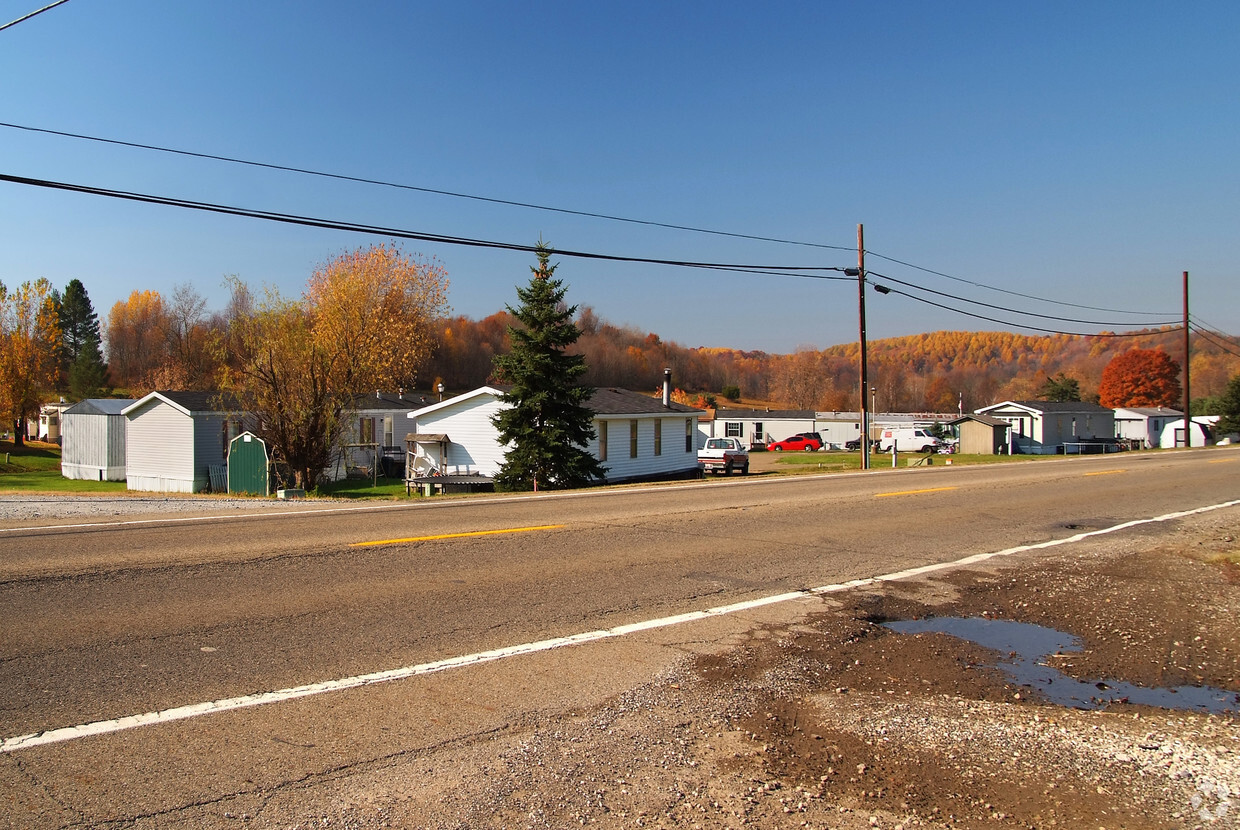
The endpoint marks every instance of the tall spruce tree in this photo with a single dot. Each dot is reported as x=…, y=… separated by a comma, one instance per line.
x=88, y=376
x=79, y=325
x=546, y=421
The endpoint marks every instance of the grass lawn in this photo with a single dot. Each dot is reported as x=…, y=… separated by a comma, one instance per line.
x=34, y=467
x=825, y=462
x=356, y=488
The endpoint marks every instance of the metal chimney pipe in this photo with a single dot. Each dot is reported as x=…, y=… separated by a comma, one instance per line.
x=667, y=388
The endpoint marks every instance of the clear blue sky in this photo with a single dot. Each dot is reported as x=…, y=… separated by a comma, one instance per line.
x=1081, y=152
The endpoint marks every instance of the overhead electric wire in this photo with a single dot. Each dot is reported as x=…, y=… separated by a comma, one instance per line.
x=433, y=191
x=566, y=211
x=1194, y=318
x=1227, y=347
x=1009, y=310
x=26, y=17
x=1015, y=293
x=1019, y=325
x=398, y=233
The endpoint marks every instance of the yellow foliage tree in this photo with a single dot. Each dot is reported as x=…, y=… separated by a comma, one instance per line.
x=29, y=365
x=137, y=336
x=368, y=321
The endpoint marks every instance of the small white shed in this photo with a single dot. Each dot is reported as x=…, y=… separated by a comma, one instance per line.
x=93, y=439
x=1173, y=434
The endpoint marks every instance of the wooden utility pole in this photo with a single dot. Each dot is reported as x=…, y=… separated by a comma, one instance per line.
x=865, y=376
x=1188, y=419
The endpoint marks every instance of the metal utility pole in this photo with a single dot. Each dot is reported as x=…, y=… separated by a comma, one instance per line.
x=865, y=377
x=1188, y=419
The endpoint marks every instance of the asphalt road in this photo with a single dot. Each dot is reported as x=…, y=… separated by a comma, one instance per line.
x=101, y=620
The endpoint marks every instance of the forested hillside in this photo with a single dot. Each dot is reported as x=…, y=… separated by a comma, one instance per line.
x=936, y=371
x=157, y=343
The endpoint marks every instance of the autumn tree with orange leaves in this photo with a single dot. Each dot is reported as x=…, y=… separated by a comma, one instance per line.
x=1140, y=377
x=29, y=351
x=136, y=336
x=366, y=322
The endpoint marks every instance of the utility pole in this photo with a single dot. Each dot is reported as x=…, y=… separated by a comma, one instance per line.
x=865, y=377
x=1188, y=419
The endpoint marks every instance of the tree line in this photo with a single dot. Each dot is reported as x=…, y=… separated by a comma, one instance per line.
x=54, y=343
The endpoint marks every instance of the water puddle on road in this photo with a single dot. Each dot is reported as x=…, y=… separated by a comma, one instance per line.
x=1027, y=646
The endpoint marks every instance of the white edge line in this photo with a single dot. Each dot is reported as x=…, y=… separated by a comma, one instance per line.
x=104, y=727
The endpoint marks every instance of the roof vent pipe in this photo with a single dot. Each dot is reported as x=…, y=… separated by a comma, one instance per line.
x=667, y=388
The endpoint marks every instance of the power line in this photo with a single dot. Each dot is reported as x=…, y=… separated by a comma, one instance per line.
x=565, y=211
x=307, y=221
x=1015, y=293
x=1005, y=308
x=1227, y=347
x=26, y=17
x=418, y=189
x=1207, y=324
x=1022, y=325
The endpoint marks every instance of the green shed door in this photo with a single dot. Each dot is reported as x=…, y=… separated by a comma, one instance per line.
x=247, y=465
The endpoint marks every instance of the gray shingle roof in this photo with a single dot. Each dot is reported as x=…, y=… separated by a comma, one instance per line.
x=204, y=401
x=608, y=401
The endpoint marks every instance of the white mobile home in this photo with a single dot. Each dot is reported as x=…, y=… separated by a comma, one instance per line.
x=759, y=427
x=637, y=437
x=371, y=437
x=174, y=439
x=1144, y=425
x=1049, y=427
x=92, y=435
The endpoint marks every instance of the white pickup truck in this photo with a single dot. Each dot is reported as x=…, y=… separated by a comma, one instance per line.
x=723, y=455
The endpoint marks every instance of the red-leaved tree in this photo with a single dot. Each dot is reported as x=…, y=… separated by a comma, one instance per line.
x=1140, y=377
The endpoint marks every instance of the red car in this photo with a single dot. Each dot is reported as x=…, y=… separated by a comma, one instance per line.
x=797, y=443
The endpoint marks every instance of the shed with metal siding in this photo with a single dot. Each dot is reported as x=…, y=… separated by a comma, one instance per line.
x=93, y=439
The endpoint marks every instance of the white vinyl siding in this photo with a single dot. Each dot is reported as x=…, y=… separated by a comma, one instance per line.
x=160, y=449
x=169, y=451
x=474, y=445
x=677, y=456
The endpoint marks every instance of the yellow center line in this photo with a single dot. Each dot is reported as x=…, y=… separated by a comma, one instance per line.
x=1106, y=472
x=1220, y=460
x=913, y=492
x=454, y=535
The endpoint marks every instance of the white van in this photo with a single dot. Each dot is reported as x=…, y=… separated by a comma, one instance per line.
x=907, y=439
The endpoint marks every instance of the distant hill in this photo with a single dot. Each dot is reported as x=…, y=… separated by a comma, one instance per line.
x=937, y=371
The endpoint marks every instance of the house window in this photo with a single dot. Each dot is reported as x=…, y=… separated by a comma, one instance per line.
x=732, y=429
x=689, y=435
x=389, y=430
x=602, y=440
x=632, y=439
x=366, y=431
x=658, y=436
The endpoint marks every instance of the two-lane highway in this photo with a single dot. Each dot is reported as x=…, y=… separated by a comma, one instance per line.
x=103, y=620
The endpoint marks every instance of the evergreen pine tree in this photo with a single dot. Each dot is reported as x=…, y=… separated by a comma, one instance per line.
x=79, y=324
x=545, y=421
x=1229, y=408
x=88, y=376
